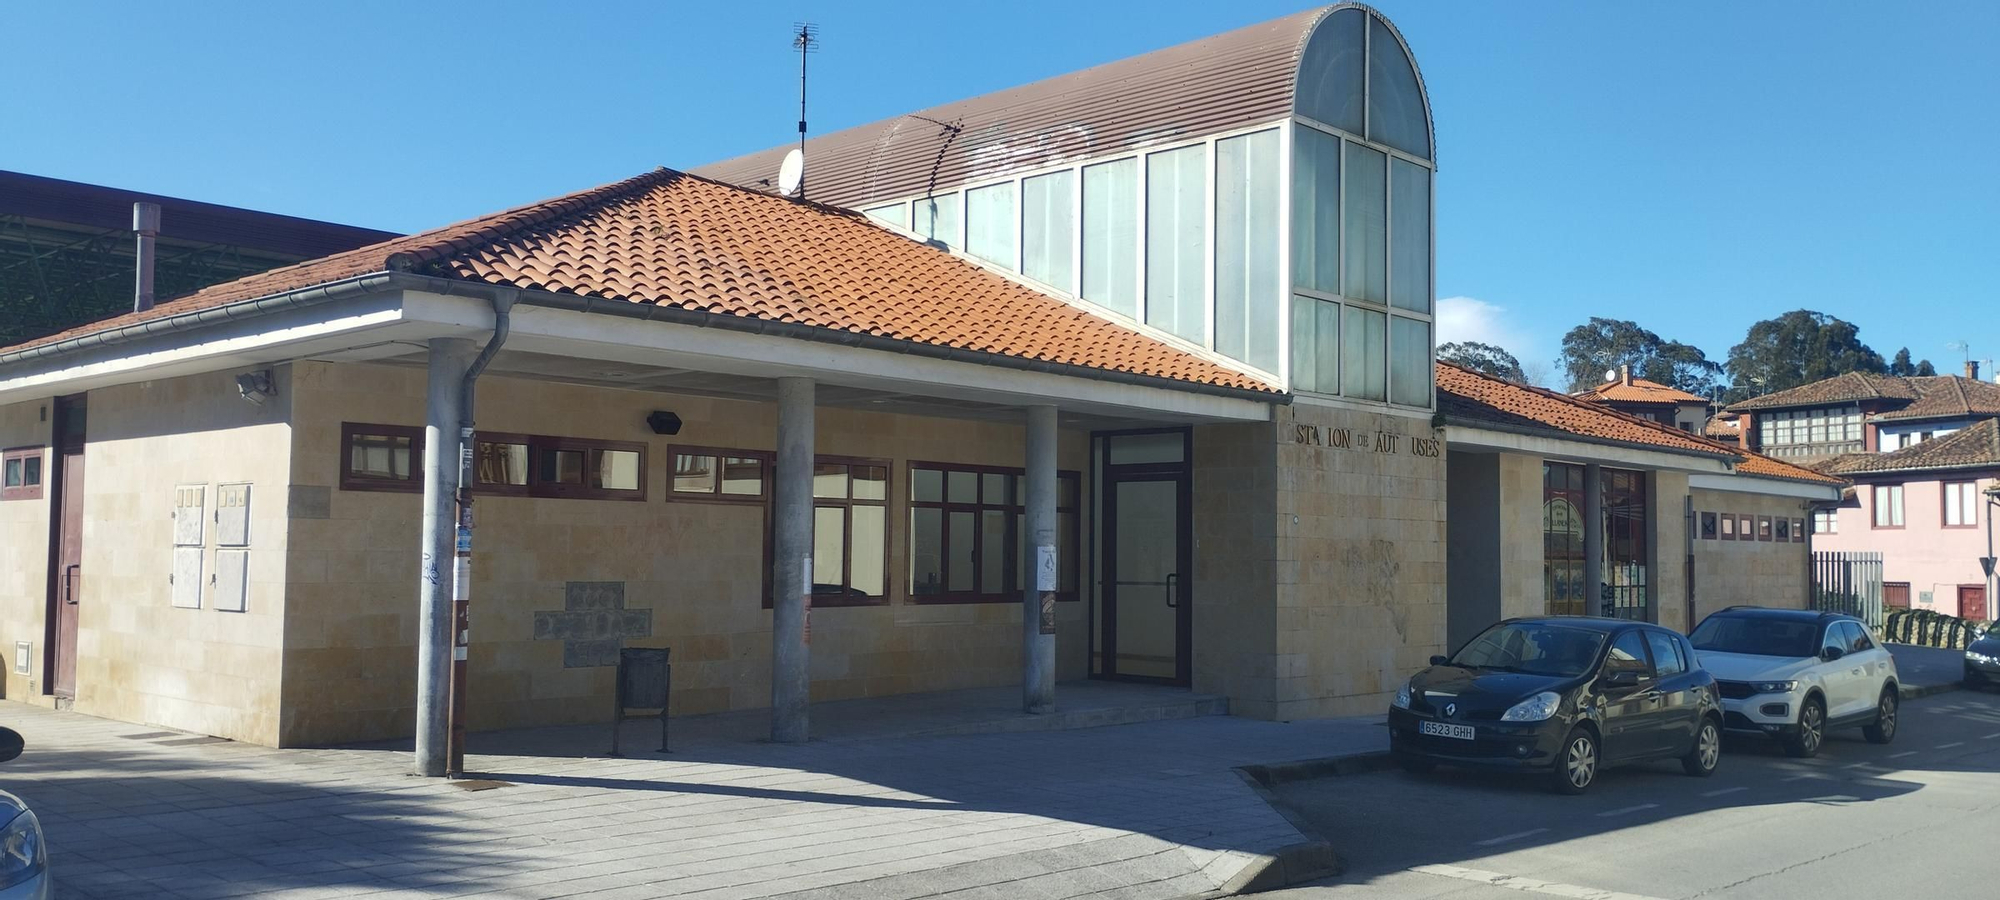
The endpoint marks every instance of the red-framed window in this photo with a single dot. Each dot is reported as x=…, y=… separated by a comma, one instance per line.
x=968, y=529
x=390, y=458
x=21, y=473
x=851, y=528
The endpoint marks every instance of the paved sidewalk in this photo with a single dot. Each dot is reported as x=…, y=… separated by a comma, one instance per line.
x=1140, y=811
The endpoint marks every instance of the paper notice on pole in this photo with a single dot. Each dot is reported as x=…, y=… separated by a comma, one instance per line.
x=806, y=598
x=1045, y=568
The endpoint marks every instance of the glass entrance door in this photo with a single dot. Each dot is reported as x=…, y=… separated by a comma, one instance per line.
x=1145, y=603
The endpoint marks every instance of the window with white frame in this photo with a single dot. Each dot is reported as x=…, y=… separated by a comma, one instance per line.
x=1048, y=226
x=989, y=223
x=936, y=219
x=1806, y=432
x=1176, y=232
x=1888, y=506
x=1111, y=235
x=1826, y=521
x=1961, y=504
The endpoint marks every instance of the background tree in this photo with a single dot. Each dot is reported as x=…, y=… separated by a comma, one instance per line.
x=1486, y=359
x=1901, y=364
x=1602, y=345
x=1799, y=347
x=1925, y=369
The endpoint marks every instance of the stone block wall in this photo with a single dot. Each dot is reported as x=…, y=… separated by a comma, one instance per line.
x=139, y=657
x=690, y=574
x=24, y=556
x=1759, y=573
x=1361, y=556
x=1235, y=561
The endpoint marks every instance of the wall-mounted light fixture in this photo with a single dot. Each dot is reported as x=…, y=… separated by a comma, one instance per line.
x=256, y=386
x=664, y=422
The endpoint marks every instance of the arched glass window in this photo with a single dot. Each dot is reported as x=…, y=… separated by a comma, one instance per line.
x=1331, y=71
x=1361, y=313
x=1395, y=103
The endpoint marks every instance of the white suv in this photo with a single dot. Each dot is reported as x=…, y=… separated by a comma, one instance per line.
x=1793, y=674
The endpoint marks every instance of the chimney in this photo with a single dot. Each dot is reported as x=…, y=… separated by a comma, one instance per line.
x=1625, y=373
x=1972, y=369
x=145, y=221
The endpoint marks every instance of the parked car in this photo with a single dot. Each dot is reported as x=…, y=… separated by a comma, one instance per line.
x=24, y=862
x=1561, y=696
x=1982, y=660
x=1793, y=674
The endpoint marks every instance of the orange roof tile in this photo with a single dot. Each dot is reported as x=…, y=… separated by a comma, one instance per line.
x=683, y=241
x=1639, y=390
x=1477, y=399
x=1473, y=399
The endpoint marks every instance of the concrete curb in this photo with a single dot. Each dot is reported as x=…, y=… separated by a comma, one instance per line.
x=1913, y=691
x=1313, y=858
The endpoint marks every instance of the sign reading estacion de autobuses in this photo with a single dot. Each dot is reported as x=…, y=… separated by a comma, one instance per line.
x=1375, y=441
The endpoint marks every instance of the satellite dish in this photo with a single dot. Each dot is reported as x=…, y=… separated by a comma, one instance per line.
x=1610, y=374
x=792, y=173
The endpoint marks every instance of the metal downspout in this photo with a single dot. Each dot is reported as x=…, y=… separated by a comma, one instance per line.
x=461, y=581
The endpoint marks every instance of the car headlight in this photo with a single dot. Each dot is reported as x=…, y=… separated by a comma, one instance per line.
x=1534, y=709
x=1982, y=658
x=21, y=853
x=1402, y=700
x=1773, y=687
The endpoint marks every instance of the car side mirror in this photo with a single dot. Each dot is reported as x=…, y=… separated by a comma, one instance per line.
x=1440, y=660
x=1623, y=678
x=1831, y=653
x=11, y=744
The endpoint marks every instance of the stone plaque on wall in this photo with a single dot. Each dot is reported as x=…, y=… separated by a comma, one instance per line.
x=593, y=623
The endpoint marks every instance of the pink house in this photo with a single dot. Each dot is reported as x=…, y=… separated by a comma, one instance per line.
x=1926, y=509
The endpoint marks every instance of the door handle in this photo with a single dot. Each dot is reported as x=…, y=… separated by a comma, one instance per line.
x=1173, y=590
x=69, y=583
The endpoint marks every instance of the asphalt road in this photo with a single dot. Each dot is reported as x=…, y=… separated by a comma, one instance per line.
x=1916, y=818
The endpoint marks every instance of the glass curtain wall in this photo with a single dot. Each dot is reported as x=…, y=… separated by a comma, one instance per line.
x=1189, y=239
x=1361, y=218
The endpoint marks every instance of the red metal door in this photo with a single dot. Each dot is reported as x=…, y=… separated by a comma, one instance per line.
x=68, y=576
x=1972, y=602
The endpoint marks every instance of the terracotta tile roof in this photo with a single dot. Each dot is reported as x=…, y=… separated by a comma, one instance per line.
x=1469, y=398
x=683, y=241
x=1765, y=467
x=1719, y=427
x=1846, y=388
x=1948, y=397
x=1639, y=390
x=1474, y=399
x=1973, y=447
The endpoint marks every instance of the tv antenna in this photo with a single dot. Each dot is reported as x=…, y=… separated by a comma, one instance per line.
x=792, y=177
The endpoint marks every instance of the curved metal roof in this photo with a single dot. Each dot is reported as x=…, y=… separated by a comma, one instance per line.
x=1233, y=80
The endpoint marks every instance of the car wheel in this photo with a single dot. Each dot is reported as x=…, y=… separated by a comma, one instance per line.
x=1883, y=729
x=1811, y=732
x=1415, y=765
x=1707, y=753
x=1577, y=763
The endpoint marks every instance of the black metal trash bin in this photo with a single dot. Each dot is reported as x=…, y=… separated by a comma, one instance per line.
x=644, y=680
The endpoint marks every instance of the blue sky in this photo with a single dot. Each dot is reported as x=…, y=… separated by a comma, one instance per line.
x=1695, y=167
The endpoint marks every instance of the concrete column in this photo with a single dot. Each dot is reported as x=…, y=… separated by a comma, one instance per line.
x=1593, y=540
x=449, y=358
x=791, y=576
x=1038, y=596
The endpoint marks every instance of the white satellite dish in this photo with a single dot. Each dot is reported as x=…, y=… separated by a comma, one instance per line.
x=792, y=173
x=1610, y=374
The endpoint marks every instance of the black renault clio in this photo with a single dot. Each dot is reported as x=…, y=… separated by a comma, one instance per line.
x=1562, y=695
